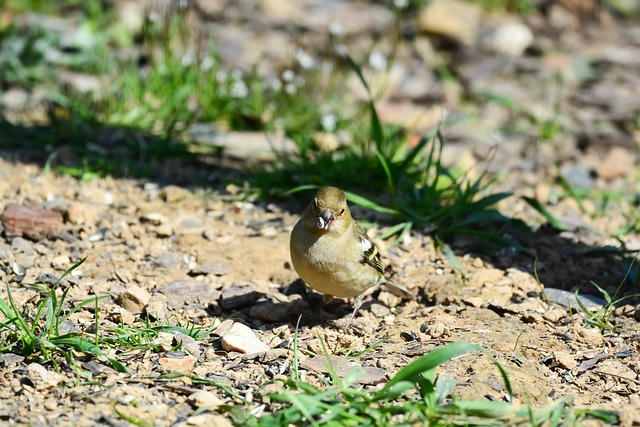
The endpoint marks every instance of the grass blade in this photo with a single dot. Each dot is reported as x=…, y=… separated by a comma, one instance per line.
x=535, y=204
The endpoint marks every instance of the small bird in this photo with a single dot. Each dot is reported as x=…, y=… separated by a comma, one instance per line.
x=332, y=253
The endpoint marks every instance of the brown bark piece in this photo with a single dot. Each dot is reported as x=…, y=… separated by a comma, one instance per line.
x=19, y=220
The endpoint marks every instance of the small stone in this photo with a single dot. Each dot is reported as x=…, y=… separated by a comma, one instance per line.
x=618, y=162
x=217, y=268
x=242, y=339
x=472, y=301
x=184, y=291
x=187, y=343
x=379, y=310
x=168, y=260
x=121, y=315
x=555, y=314
x=61, y=262
x=565, y=360
x=203, y=398
x=454, y=19
x=41, y=378
x=81, y=213
x=207, y=419
x=156, y=308
x=183, y=364
x=173, y=194
x=437, y=330
x=19, y=220
x=133, y=299
x=237, y=296
x=163, y=230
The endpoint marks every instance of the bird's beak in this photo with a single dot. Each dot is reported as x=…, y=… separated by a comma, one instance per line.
x=325, y=219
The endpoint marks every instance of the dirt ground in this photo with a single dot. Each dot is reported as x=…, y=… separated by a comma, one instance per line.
x=198, y=259
x=176, y=251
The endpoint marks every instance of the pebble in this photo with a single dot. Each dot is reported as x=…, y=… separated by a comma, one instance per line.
x=183, y=364
x=41, y=378
x=242, y=339
x=453, y=19
x=61, y=262
x=181, y=291
x=618, y=162
x=187, y=343
x=133, y=299
x=217, y=268
x=236, y=296
x=204, y=398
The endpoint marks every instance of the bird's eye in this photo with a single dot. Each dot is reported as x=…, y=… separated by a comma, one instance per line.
x=341, y=212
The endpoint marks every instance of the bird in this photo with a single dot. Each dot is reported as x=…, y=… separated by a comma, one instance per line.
x=332, y=253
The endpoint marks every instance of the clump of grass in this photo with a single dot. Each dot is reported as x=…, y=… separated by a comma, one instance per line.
x=37, y=334
x=414, y=396
x=602, y=317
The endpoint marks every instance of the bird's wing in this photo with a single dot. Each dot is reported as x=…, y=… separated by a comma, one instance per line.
x=370, y=254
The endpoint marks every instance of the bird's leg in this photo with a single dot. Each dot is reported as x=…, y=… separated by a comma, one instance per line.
x=356, y=305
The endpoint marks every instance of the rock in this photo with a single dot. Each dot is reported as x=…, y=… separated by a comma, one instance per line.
x=555, y=314
x=346, y=19
x=565, y=360
x=206, y=419
x=163, y=230
x=472, y=301
x=156, y=308
x=41, y=378
x=168, y=260
x=36, y=224
x=236, y=296
x=379, y=310
x=217, y=268
x=568, y=299
x=453, y=19
x=509, y=37
x=242, y=339
x=120, y=315
x=184, y=291
x=187, y=343
x=133, y=299
x=618, y=162
x=20, y=245
x=173, y=194
x=61, y=262
x=81, y=213
x=189, y=224
x=177, y=364
x=579, y=176
x=203, y=398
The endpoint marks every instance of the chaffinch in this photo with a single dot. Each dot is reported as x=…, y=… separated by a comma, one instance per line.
x=332, y=253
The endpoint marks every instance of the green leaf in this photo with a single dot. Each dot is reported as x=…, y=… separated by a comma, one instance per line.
x=408, y=376
x=535, y=204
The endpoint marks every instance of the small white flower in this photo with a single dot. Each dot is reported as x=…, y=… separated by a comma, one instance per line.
x=336, y=29
x=328, y=122
x=401, y=4
x=236, y=74
x=342, y=49
x=188, y=58
x=239, y=89
x=207, y=63
x=377, y=61
x=304, y=59
x=288, y=75
x=290, y=88
x=221, y=76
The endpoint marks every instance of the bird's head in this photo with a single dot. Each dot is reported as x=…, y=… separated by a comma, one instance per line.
x=328, y=210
